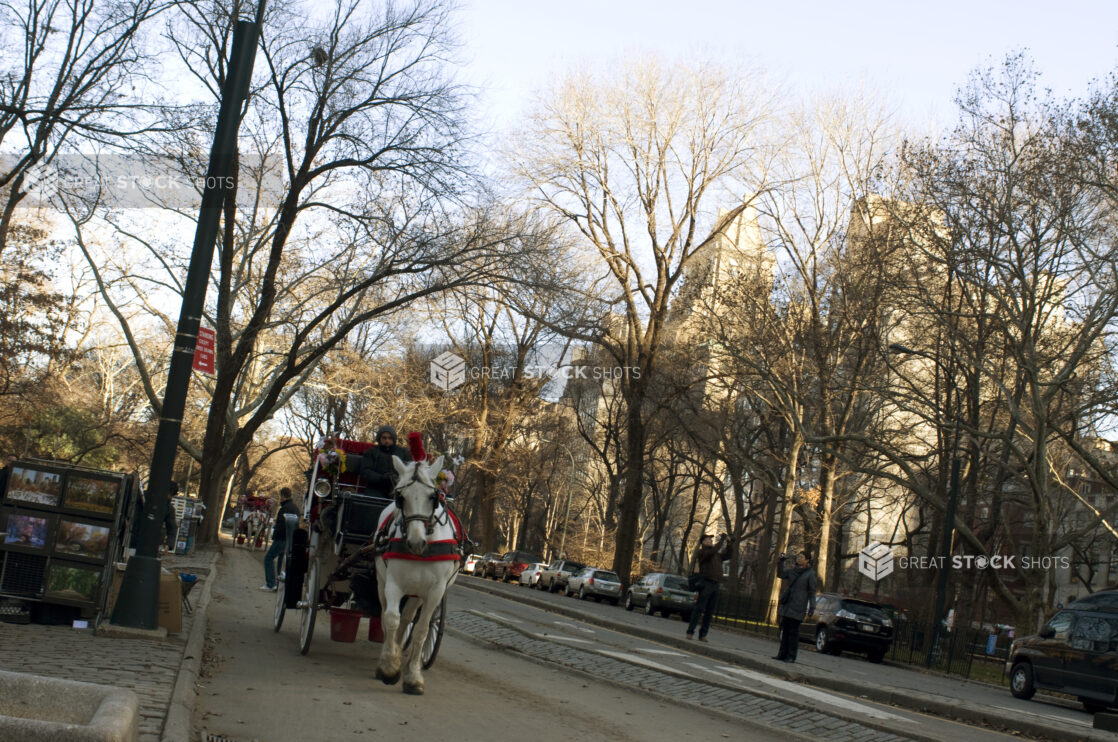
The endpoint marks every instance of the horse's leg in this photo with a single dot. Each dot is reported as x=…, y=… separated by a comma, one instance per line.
x=413, y=668
x=407, y=613
x=388, y=669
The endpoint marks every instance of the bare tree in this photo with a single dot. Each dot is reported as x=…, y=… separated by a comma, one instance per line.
x=71, y=71
x=362, y=128
x=638, y=165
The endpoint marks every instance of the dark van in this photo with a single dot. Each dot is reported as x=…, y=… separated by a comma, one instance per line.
x=1076, y=653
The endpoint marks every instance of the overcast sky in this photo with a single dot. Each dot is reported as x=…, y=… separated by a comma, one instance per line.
x=916, y=51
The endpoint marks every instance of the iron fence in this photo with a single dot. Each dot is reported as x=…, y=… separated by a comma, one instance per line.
x=967, y=652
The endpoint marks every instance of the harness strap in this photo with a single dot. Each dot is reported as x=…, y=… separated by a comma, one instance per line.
x=437, y=551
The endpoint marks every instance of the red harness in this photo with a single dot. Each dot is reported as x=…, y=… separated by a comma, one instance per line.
x=443, y=550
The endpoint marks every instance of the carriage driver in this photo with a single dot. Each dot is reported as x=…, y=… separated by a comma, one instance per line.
x=377, y=471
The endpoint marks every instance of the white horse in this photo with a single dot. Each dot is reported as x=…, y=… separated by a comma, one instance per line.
x=255, y=523
x=420, y=563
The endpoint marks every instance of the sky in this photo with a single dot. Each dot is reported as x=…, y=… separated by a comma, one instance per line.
x=915, y=52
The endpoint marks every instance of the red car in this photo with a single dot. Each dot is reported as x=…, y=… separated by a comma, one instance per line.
x=511, y=564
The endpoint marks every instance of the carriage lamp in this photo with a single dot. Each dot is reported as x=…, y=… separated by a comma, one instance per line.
x=322, y=487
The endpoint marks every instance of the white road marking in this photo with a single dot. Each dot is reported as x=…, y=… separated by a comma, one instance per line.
x=499, y=617
x=812, y=693
x=638, y=660
x=668, y=652
x=561, y=638
x=576, y=627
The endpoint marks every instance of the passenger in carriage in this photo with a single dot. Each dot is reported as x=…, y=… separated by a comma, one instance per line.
x=377, y=471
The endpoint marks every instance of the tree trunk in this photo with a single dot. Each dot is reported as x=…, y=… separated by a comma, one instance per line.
x=826, y=504
x=630, y=506
x=785, y=522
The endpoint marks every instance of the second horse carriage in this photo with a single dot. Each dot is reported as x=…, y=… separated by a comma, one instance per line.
x=253, y=521
x=353, y=552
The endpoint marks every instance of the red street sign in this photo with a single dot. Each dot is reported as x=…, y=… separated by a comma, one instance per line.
x=204, y=351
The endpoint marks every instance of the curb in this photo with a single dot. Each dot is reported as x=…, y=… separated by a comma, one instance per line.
x=908, y=700
x=178, y=725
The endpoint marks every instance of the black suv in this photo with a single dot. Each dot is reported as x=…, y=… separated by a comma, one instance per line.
x=557, y=573
x=850, y=624
x=1076, y=653
x=662, y=592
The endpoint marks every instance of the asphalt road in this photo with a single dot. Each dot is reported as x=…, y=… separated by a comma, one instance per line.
x=854, y=668
x=668, y=671
x=256, y=686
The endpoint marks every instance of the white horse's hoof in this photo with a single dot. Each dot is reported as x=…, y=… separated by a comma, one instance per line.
x=389, y=679
x=413, y=689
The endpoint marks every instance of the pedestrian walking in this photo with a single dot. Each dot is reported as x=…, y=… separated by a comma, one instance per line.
x=708, y=559
x=273, y=557
x=797, y=599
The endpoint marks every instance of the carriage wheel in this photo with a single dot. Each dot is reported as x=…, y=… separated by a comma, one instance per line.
x=281, y=604
x=310, y=607
x=434, y=635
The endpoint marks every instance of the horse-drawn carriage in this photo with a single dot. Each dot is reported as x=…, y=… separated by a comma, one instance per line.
x=363, y=554
x=253, y=521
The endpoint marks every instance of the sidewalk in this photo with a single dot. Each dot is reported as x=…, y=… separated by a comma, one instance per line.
x=901, y=686
x=160, y=672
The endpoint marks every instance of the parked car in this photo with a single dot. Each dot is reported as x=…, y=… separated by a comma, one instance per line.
x=1075, y=652
x=660, y=591
x=531, y=575
x=470, y=562
x=848, y=624
x=484, y=565
x=591, y=582
x=555, y=576
x=511, y=564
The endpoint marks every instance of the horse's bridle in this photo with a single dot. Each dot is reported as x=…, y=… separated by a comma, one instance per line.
x=428, y=520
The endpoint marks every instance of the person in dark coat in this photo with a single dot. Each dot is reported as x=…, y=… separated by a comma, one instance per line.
x=709, y=559
x=171, y=527
x=273, y=557
x=377, y=471
x=797, y=599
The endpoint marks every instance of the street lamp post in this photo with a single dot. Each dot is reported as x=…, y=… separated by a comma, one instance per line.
x=137, y=605
x=948, y=540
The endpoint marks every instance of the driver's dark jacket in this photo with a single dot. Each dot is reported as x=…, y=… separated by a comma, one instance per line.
x=279, y=530
x=377, y=471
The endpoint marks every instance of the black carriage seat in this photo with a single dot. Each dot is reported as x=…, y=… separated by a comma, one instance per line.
x=360, y=515
x=359, y=512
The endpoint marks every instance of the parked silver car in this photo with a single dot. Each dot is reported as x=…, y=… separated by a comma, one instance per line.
x=555, y=576
x=531, y=574
x=591, y=582
x=660, y=591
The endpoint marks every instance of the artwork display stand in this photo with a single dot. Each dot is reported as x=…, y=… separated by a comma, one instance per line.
x=62, y=527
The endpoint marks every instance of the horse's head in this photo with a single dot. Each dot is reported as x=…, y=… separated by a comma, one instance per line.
x=417, y=499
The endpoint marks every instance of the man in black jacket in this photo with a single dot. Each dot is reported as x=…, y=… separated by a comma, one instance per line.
x=274, y=556
x=377, y=471
x=709, y=561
